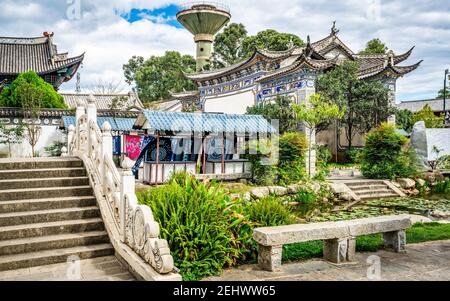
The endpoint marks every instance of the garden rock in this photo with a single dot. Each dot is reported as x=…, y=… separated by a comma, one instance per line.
x=421, y=182
x=293, y=189
x=407, y=183
x=346, y=197
x=441, y=214
x=278, y=190
x=260, y=192
x=338, y=188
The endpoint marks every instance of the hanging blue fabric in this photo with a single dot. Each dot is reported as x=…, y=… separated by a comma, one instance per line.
x=116, y=145
x=145, y=145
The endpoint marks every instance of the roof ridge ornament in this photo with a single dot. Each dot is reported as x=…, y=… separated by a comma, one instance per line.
x=334, y=30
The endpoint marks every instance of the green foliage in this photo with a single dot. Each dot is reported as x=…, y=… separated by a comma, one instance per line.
x=280, y=110
x=365, y=103
x=228, y=48
x=442, y=187
x=291, y=167
x=260, y=154
x=375, y=46
x=12, y=96
x=353, y=155
x=206, y=230
x=233, y=44
x=442, y=92
x=316, y=112
x=55, y=149
x=427, y=115
x=404, y=120
x=10, y=135
x=387, y=155
x=158, y=76
x=270, y=212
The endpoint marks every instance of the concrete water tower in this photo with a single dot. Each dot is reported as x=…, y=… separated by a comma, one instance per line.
x=203, y=19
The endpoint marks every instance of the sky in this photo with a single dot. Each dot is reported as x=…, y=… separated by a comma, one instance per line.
x=111, y=32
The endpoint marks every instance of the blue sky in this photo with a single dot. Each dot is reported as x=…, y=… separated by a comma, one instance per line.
x=110, y=32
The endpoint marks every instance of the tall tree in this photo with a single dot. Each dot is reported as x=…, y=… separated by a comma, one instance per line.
x=375, y=46
x=427, y=115
x=442, y=92
x=315, y=112
x=158, y=76
x=365, y=103
x=228, y=48
x=234, y=45
x=280, y=110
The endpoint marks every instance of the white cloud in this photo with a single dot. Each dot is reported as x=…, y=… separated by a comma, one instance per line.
x=109, y=41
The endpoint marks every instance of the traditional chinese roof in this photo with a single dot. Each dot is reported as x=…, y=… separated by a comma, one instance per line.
x=319, y=55
x=59, y=113
x=202, y=122
x=104, y=101
x=437, y=105
x=18, y=55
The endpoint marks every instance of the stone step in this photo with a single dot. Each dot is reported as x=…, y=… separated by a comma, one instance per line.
x=364, y=183
x=48, y=192
x=53, y=215
x=36, y=163
x=51, y=228
x=41, y=183
x=369, y=187
x=370, y=192
x=41, y=243
x=42, y=173
x=379, y=196
x=47, y=204
x=27, y=260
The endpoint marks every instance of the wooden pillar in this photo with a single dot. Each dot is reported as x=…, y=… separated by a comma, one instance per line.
x=223, y=153
x=157, y=158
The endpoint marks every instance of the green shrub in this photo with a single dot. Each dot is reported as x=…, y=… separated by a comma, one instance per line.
x=442, y=187
x=353, y=155
x=206, y=230
x=55, y=149
x=387, y=155
x=10, y=97
x=291, y=166
x=259, y=154
x=269, y=212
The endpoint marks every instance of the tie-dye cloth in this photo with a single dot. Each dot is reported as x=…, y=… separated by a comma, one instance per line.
x=132, y=146
x=116, y=145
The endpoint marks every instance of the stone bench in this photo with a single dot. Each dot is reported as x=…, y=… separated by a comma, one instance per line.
x=339, y=238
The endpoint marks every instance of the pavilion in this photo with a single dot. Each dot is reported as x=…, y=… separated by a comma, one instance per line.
x=203, y=144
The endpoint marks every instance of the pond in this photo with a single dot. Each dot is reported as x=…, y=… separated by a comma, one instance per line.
x=424, y=206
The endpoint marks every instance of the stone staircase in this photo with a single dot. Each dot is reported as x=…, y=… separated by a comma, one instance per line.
x=47, y=213
x=373, y=189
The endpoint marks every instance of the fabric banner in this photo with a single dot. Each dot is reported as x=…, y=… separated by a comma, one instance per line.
x=117, y=147
x=132, y=146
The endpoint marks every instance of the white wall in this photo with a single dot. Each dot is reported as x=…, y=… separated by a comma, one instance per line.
x=230, y=103
x=49, y=135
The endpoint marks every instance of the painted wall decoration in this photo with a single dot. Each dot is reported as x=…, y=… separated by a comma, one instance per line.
x=117, y=145
x=132, y=146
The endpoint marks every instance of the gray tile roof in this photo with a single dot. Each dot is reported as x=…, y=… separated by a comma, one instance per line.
x=103, y=101
x=437, y=105
x=19, y=55
x=202, y=122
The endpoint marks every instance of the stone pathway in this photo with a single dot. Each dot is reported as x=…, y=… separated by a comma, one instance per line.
x=427, y=262
x=97, y=269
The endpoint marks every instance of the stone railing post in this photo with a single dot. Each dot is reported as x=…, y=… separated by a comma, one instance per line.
x=91, y=112
x=127, y=186
x=80, y=111
x=106, y=140
x=70, y=137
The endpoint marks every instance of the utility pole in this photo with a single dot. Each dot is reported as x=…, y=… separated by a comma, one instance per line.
x=445, y=97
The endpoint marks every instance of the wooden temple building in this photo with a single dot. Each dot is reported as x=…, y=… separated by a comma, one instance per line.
x=18, y=55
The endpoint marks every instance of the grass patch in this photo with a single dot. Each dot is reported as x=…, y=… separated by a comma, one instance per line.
x=418, y=233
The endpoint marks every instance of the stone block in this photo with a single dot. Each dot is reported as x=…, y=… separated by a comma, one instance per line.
x=336, y=250
x=395, y=241
x=260, y=192
x=338, y=188
x=269, y=257
x=380, y=224
x=407, y=183
x=278, y=190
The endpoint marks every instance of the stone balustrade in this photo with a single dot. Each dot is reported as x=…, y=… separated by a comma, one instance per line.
x=132, y=229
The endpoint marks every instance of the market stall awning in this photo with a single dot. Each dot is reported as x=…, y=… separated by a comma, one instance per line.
x=202, y=122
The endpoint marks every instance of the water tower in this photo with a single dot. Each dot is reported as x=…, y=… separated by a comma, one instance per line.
x=203, y=19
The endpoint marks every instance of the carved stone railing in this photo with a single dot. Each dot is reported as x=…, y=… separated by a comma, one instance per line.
x=132, y=228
